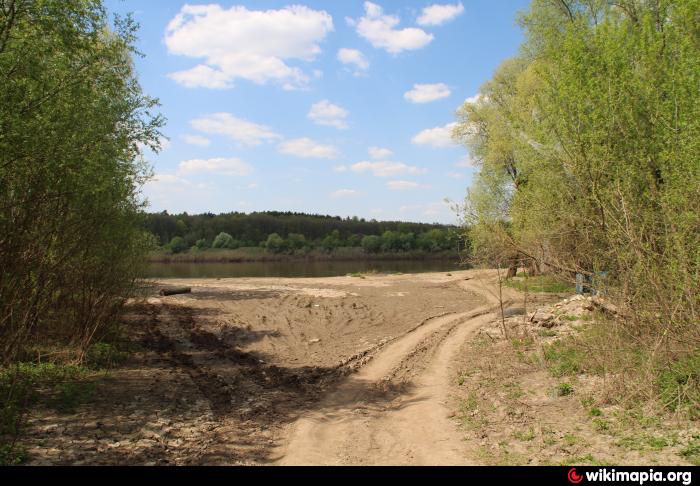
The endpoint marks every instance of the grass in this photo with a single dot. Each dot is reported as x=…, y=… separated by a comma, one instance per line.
x=540, y=284
x=679, y=385
x=565, y=389
x=692, y=451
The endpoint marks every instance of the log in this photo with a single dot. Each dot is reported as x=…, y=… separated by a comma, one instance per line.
x=176, y=291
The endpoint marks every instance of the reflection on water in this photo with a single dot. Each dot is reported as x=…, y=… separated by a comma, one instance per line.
x=294, y=269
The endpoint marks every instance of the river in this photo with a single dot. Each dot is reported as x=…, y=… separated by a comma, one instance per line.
x=295, y=269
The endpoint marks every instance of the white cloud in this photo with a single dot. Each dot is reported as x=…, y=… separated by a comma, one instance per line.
x=379, y=152
x=342, y=193
x=240, y=130
x=437, y=14
x=425, y=93
x=202, y=77
x=466, y=162
x=196, y=140
x=456, y=175
x=223, y=166
x=326, y=113
x=387, y=169
x=380, y=30
x=440, y=137
x=340, y=168
x=255, y=45
x=402, y=185
x=353, y=57
x=169, y=190
x=307, y=148
x=474, y=99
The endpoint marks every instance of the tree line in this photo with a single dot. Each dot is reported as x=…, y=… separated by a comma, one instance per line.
x=288, y=232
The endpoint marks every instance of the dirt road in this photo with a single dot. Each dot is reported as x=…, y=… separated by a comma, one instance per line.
x=281, y=371
x=393, y=411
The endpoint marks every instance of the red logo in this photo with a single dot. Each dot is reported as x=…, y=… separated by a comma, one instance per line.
x=574, y=477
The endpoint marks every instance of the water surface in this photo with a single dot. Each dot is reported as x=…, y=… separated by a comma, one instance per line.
x=295, y=269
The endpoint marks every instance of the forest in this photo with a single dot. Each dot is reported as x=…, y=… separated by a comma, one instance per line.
x=284, y=232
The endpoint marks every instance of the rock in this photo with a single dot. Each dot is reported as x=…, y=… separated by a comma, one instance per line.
x=314, y=341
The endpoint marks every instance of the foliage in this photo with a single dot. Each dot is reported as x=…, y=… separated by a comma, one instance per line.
x=178, y=245
x=222, y=240
x=587, y=150
x=73, y=125
x=293, y=233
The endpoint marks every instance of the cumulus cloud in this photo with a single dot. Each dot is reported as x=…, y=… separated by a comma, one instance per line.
x=306, y=148
x=379, y=153
x=343, y=193
x=466, y=162
x=437, y=14
x=472, y=100
x=382, y=32
x=326, y=113
x=425, y=93
x=353, y=57
x=387, y=169
x=439, y=137
x=255, y=45
x=402, y=185
x=196, y=140
x=222, y=166
x=238, y=129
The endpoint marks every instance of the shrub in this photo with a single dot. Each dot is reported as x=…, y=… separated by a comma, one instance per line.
x=223, y=240
x=178, y=245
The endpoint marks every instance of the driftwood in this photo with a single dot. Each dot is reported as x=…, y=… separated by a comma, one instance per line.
x=176, y=291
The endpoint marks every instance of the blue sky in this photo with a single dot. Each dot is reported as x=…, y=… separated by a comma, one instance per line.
x=338, y=108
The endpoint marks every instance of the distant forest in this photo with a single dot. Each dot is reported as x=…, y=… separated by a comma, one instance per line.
x=288, y=231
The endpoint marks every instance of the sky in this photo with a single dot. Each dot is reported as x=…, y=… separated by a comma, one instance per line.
x=331, y=107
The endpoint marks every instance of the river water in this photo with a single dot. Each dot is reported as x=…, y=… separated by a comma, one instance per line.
x=295, y=269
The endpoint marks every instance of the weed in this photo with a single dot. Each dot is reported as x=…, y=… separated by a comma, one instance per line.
x=601, y=425
x=692, y=451
x=540, y=283
x=565, y=389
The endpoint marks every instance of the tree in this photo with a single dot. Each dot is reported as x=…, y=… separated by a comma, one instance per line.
x=372, y=244
x=275, y=243
x=587, y=148
x=73, y=124
x=223, y=240
x=296, y=241
x=178, y=245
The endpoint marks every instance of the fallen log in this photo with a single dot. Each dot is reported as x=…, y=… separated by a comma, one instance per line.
x=176, y=291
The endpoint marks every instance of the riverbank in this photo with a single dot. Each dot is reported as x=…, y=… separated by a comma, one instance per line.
x=258, y=254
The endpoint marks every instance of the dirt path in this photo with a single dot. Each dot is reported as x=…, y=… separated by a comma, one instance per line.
x=393, y=411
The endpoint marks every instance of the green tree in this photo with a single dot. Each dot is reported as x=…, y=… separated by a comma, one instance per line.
x=223, y=240
x=372, y=244
x=296, y=241
x=178, y=245
x=73, y=124
x=275, y=243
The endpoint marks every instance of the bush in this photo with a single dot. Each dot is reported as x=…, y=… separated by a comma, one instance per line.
x=223, y=240
x=275, y=243
x=202, y=244
x=372, y=244
x=178, y=245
